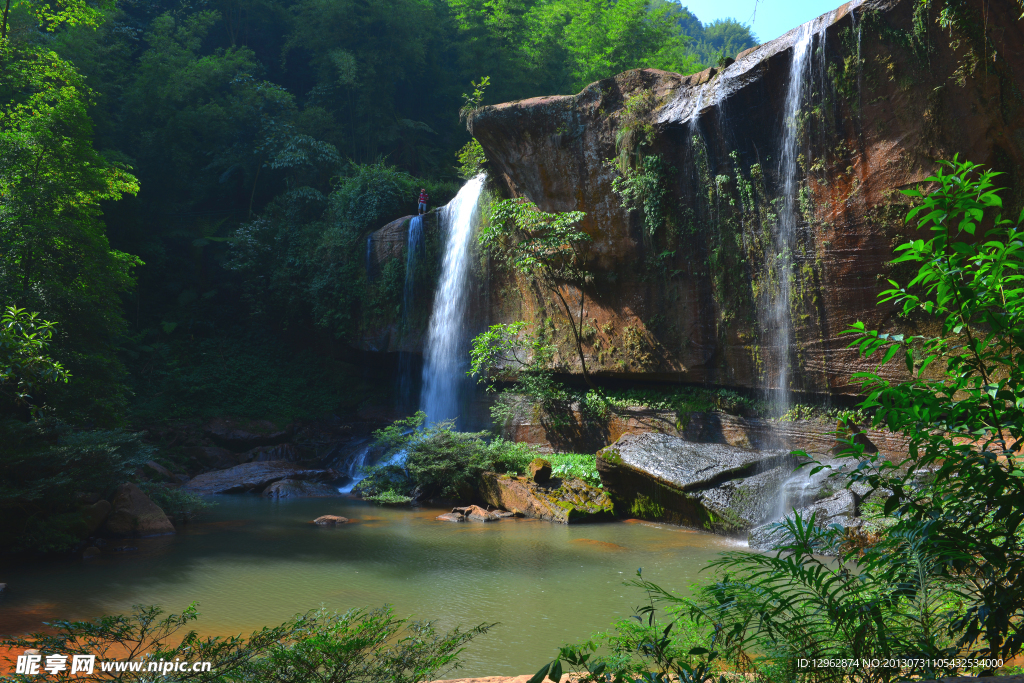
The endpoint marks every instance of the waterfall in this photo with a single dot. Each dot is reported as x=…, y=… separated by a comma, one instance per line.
x=354, y=468
x=446, y=353
x=413, y=244
x=776, y=319
x=369, y=258
x=777, y=324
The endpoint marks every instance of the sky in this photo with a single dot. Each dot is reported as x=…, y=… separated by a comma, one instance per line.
x=772, y=18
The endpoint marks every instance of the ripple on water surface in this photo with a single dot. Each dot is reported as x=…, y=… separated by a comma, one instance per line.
x=251, y=562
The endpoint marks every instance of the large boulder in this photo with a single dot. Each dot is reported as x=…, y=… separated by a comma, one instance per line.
x=254, y=477
x=565, y=502
x=134, y=515
x=700, y=485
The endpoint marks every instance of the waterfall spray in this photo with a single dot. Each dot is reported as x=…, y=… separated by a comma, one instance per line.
x=446, y=352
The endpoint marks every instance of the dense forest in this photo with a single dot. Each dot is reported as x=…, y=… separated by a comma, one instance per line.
x=187, y=187
x=186, y=191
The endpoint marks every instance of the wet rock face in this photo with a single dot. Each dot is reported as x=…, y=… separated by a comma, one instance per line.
x=676, y=289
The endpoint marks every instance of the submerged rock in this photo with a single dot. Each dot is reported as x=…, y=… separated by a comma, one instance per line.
x=565, y=502
x=90, y=553
x=135, y=515
x=450, y=517
x=255, y=477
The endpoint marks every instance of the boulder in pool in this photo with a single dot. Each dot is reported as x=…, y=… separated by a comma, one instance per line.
x=450, y=517
x=254, y=477
x=329, y=520
x=566, y=502
x=135, y=515
x=475, y=513
x=715, y=487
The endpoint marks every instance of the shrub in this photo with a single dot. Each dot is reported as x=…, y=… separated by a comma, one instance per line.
x=358, y=646
x=45, y=465
x=178, y=504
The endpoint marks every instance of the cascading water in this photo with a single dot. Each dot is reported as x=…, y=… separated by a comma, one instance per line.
x=446, y=351
x=354, y=468
x=778, y=325
x=777, y=321
x=369, y=258
x=413, y=244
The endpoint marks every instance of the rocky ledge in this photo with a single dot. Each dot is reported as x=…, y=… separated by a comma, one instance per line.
x=699, y=485
x=274, y=478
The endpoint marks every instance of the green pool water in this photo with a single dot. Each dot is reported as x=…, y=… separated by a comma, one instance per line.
x=251, y=562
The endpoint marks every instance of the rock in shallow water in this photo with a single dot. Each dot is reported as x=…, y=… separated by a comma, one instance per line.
x=566, y=502
x=329, y=520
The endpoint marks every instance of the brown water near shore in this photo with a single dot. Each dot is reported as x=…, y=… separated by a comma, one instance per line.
x=251, y=562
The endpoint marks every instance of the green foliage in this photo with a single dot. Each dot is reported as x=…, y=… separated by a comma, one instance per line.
x=548, y=248
x=389, y=497
x=643, y=188
x=448, y=462
x=24, y=364
x=178, y=504
x=53, y=244
x=45, y=465
x=796, y=605
x=243, y=375
x=509, y=456
x=358, y=646
x=471, y=160
x=961, y=408
x=438, y=461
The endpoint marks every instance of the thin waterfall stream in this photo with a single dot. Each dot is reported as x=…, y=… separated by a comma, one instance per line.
x=445, y=355
x=776, y=316
x=413, y=245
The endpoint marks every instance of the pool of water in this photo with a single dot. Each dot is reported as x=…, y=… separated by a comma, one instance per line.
x=251, y=562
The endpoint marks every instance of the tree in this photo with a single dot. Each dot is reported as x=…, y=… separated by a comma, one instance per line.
x=549, y=248
x=24, y=363
x=52, y=240
x=962, y=409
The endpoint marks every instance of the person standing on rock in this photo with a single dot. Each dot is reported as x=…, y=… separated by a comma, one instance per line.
x=423, y=201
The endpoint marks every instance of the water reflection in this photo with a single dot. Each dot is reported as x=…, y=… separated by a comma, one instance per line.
x=251, y=562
